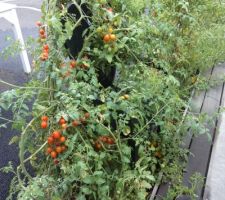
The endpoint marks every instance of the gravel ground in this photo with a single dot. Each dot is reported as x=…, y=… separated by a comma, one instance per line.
x=11, y=70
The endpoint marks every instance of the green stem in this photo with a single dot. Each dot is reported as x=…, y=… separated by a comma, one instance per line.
x=19, y=178
x=21, y=144
x=146, y=125
x=21, y=87
x=117, y=144
x=6, y=119
x=35, y=153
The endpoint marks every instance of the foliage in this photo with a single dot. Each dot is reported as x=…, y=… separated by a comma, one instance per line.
x=118, y=138
x=178, y=190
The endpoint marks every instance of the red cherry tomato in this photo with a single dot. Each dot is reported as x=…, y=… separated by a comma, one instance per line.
x=110, y=141
x=46, y=47
x=73, y=63
x=42, y=31
x=98, y=146
x=56, y=162
x=44, y=124
x=87, y=115
x=38, y=23
x=63, y=148
x=62, y=121
x=50, y=140
x=44, y=118
x=49, y=150
x=56, y=134
x=76, y=123
x=103, y=139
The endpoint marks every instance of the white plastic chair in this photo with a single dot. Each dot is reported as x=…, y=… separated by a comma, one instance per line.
x=8, y=12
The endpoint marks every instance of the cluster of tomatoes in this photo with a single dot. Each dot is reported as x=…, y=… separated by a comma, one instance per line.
x=42, y=35
x=83, y=64
x=75, y=123
x=103, y=140
x=125, y=97
x=82, y=120
x=109, y=37
x=73, y=64
x=56, y=144
x=44, y=122
x=45, y=52
x=157, y=152
x=63, y=123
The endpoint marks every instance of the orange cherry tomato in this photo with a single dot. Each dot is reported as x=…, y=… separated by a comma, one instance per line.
x=62, y=139
x=106, y=38
x=113, y=37
x=43, y=58
x=53, y=154
x=58, y=149
x=44, y=55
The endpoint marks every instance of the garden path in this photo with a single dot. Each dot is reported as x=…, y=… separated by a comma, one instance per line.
x=207, y=156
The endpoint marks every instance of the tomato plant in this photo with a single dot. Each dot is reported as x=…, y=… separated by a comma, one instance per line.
x=111, y=115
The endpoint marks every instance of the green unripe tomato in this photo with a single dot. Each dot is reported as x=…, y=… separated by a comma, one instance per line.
x=109, y=49
x=115, y=23
x=106, y=46
x=99, y=29
x=163, y=165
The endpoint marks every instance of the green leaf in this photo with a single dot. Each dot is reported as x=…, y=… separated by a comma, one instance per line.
x=89, y=180
x=109, y=57
x=145, y=184
x=86, y=190
x=14, y=139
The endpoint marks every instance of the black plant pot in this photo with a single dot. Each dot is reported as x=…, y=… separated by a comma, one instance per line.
x=75, y=44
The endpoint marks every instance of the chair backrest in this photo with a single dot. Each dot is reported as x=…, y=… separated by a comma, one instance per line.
x=6, y=6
